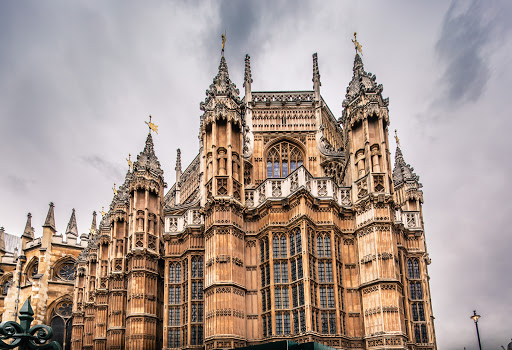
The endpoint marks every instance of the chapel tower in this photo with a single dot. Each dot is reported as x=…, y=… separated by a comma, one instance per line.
x=221, y=136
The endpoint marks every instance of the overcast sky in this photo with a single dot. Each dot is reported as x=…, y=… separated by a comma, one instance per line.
x=79, y=78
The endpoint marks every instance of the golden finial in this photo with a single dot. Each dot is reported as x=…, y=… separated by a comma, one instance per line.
x=92, y=231
x=223, y=36
x=102, y=211
x=396, y=139
x=114, y=189
x=130, y=163
x=357, y=46
x=152, y=126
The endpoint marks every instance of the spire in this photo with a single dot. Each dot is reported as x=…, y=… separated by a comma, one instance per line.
x=316, y=77
x=362, y=82
x=2, y=240
x=147, y=159
x=403, y=172
x=221, y=86
x=29, y=230
x=72, y=229
x=50, y=218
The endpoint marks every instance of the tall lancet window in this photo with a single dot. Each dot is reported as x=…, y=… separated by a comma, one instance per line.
x=282, y=159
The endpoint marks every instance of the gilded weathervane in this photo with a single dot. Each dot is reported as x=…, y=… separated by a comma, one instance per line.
x=114, y=189
x=223, y=36
x=357, y=46
x=152, y=126
x=130, y=163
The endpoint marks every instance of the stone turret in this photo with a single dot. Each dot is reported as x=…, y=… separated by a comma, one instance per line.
x=222, y=138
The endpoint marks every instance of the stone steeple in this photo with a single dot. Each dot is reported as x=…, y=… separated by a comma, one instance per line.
x=72, y=228
x=29, y=230
x=403, y=172
x=50, y=218
x=316, y=77
x=221, y=86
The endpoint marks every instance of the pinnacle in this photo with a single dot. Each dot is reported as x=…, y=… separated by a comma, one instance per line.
x=29, y=230
x=402, y=171
x=316, y=71
x=72, y=228
x=247, y=73
x=50, y=218
x=93, y=224
x=221, y=86
x=147, y=160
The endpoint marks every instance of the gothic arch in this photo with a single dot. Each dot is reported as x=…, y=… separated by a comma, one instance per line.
x=59, y=317
x=64, y=268
x=31, y=269
x=282, y=156
x=5, y=282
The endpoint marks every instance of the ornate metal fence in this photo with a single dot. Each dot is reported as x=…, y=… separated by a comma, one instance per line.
x=22, y=336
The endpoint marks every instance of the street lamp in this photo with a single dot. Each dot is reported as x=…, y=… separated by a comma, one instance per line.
x=21, y=260
x=475, y=318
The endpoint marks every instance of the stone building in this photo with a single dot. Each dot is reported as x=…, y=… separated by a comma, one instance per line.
x=289, y=224
x=44, y=271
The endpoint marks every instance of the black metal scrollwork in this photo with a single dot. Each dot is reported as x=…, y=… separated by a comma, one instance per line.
x=22, y=336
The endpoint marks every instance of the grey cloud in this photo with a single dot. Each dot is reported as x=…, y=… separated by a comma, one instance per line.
x=104, y=167
x=18, y=184
x=462, y=46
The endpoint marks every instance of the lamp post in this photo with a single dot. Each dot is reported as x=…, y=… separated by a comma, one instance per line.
x=475, y=318
x=21, y=260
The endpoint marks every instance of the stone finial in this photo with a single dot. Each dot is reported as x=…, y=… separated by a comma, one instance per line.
x=248, y=74
x=93, y=224
x=50, y=218
x=72, y=228
x=2, y=239
x=316, y=71
x=29, y=230
x=178, y=163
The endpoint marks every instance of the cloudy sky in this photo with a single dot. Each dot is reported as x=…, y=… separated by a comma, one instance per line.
x=78, y=79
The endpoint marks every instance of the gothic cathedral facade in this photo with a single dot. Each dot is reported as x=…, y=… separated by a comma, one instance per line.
x=290, y=224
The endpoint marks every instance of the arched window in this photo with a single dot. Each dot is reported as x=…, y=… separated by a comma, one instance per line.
x=61, y=323
x=65, y=270
x=282, y=159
